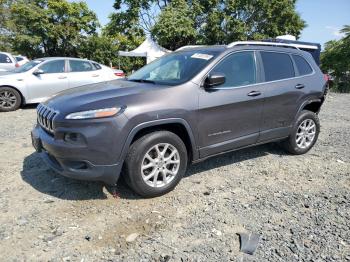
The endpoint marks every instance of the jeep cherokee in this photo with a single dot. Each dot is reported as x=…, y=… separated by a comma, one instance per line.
x=192, y=104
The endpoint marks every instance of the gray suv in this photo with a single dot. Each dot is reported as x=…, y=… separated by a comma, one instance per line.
x=192, y=104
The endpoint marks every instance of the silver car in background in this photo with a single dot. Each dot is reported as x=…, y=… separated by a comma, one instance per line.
x=39, y=79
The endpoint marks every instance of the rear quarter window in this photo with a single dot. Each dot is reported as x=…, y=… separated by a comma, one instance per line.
x=5, y=59
x=97, y=66
x=303, y=66
x=277, y=66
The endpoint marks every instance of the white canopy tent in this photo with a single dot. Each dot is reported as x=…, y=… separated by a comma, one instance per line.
x=149, y=49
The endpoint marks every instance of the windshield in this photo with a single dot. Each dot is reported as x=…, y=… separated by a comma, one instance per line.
x=175, y=68
x=27, y=66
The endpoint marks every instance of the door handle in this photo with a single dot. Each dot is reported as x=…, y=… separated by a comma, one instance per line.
x=62, y=77
x=95, y=75
x=254, y=93
x=299, y=86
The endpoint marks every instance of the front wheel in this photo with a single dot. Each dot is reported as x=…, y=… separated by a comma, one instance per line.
x=10, y=99
x=304, y=134
x=155, y=163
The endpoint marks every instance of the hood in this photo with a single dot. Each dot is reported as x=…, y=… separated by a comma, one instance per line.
x=97, y=96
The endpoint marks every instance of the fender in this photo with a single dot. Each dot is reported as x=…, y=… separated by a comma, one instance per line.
x=157, y=123
x=309, y=101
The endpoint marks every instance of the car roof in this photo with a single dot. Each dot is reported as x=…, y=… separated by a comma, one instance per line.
x=62, y=57
x=227, y=48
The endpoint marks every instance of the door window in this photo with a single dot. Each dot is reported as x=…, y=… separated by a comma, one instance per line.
x=80, y=66
x=53, y=67
x=277, y=66
x=239, y=69
x=303, y=67
x=5, y=59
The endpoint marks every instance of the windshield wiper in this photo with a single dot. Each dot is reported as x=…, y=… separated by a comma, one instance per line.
x=142, y=81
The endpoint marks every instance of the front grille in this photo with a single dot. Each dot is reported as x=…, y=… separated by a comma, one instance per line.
x=46, y=115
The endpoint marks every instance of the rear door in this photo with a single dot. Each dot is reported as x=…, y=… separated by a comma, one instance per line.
x=230, y=114
x=82, y=72
x=54, y=79
x=284, y=93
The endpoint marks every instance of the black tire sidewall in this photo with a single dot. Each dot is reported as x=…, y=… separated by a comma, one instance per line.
x=135, y=158
x=293, y=147
x=18, y=99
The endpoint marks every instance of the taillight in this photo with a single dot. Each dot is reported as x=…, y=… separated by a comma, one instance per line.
x=17, y=65
x=326, y=77
x=120, y=74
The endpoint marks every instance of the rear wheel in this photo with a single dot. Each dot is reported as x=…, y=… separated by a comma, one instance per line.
x=304, y=134
x=10, y=99
x=155, y=163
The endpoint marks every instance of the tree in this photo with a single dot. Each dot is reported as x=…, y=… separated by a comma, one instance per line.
x=99, y=48
x=50, y=27
x=346, y=31
x=6, y=25
x=125, y=30
x=139, y=13
x=335, y=59
x=175, y=26
x=225, y=21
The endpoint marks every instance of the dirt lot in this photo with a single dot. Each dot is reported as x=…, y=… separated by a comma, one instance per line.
x=299, y=204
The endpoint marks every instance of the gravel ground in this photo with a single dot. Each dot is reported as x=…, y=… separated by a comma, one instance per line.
x=298, y=204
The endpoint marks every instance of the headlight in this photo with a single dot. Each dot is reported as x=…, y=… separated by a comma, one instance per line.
x=99, y=113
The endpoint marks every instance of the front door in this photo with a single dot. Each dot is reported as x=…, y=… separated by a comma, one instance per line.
x=230, y=114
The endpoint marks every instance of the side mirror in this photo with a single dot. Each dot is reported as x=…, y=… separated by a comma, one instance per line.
x=214, y=79
x=38, y=72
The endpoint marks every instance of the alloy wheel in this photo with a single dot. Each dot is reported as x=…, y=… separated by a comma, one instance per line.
x=306, y=133
x=7, y=99
x=160, y=165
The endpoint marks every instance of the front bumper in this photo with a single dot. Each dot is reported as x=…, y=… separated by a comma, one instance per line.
x=74, y=161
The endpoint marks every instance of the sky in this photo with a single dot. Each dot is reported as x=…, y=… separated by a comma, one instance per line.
x=324, y=18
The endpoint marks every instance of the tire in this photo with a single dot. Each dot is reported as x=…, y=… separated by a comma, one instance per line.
x=294, y=143
x=10, y=99
x=174, y=160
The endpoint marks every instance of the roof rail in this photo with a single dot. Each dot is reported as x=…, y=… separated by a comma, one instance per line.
x=189, y=46
x=296, y=46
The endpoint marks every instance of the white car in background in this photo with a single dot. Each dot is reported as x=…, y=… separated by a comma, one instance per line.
x=118, y=72
x=21, y=60
x=7, y=62
x=39, y=79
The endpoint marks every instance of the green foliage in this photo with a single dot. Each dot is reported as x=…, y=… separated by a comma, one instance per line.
x=335, y=59
x=65, y=28
x=224, y=21
x=126, y=32
x=104, y=49
x=5, y=25
x=50, y=27
x=175, y=26
x=346, y=31
x=98, y=48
